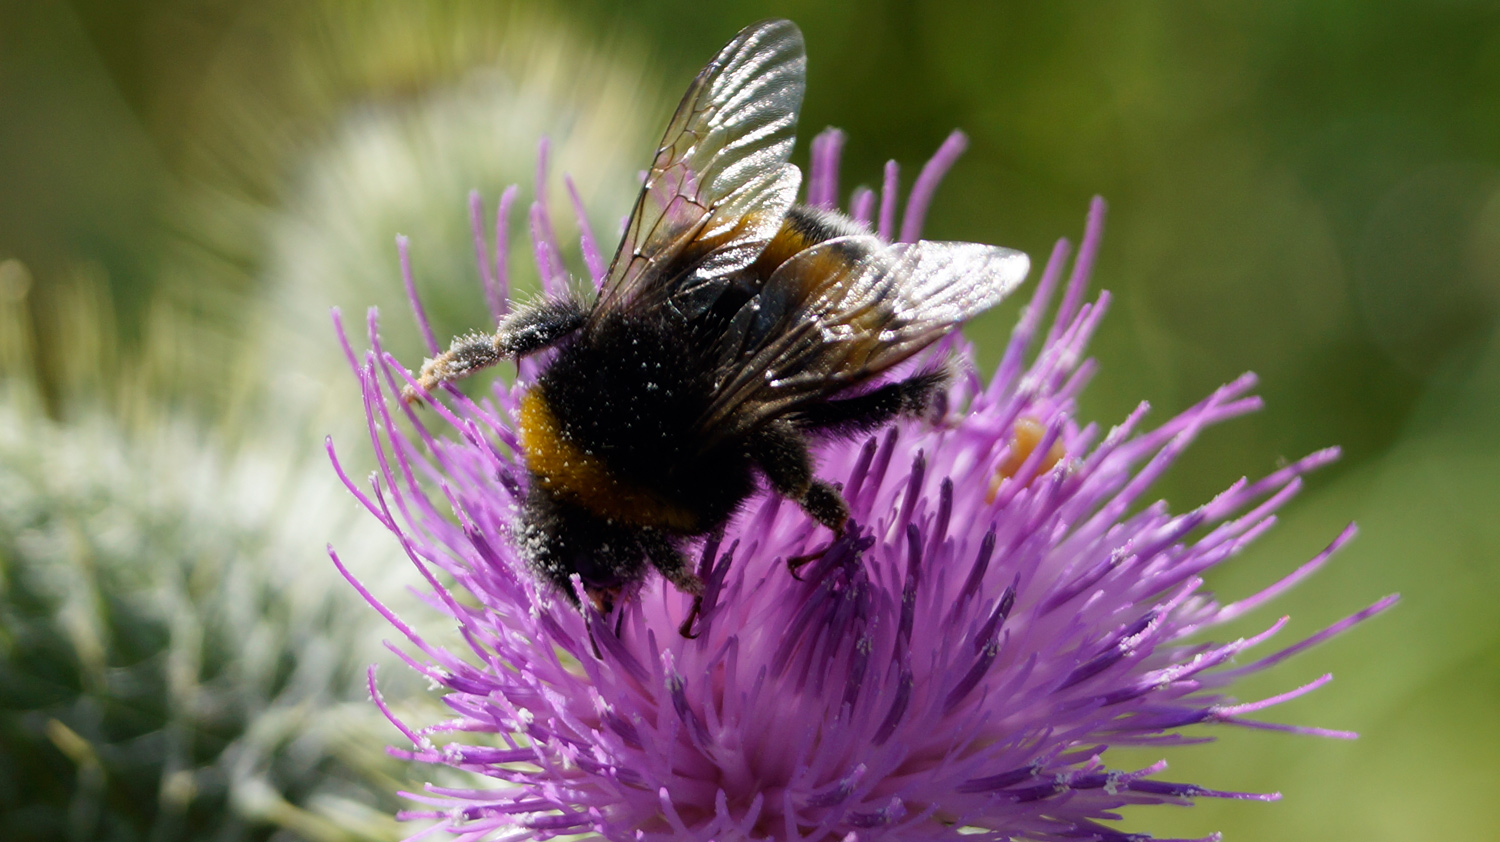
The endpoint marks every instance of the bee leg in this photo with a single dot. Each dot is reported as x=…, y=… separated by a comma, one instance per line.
x=538, y=325
x=826, y=504
x=674, y=567
x=705, y=570
x=781, y=452
x=686, y=629
x=911, y=397
x=466, y=355
x=670, y=561
x=527, y=330
x=603, y=601
x=795, y=563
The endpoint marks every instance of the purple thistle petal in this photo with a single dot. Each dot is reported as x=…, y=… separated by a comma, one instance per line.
x=1332, y=631
x=862, y=205
x=370, y=679
x=823, y=174
x=548, y=263
x=539, y=191
x=404, y=252
x=1031, y=319
x=586, y=242
x=1244, y=606
x=1083, y=267
x=543, y=236
x=337, y=316
x=927, y=183
x=499, y=296
x=1229, y=711
x=889, y=190
x=960, y=662
x=482, y=250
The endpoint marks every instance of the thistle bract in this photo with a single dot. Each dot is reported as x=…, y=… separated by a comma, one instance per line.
x=1005, y=609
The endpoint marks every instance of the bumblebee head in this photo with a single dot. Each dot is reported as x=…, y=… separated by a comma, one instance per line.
x=561, y=539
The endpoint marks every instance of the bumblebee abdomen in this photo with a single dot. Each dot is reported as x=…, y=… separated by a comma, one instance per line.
x=611, y=427
x=580, y=476
x=803, y=228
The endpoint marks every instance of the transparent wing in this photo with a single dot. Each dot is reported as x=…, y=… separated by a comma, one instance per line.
x=720, y=185
x=845, y=310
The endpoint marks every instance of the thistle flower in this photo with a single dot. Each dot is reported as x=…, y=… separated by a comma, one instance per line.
x=1005, y=611
x=161, y=679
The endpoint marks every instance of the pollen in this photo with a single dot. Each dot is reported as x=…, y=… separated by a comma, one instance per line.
x=1025, y=438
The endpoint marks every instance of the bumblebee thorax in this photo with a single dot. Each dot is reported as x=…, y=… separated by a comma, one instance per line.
x=570, y=471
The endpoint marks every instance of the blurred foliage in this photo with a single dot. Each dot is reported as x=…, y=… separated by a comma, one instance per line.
x=1308, y=190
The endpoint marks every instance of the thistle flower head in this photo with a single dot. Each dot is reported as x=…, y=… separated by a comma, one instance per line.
x=161, y=678
x=1006, y=610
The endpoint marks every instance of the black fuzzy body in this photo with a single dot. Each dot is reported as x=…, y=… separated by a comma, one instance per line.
x=732, y=329
x=629, y=393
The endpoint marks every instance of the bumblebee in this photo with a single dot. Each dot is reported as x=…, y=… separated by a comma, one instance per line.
x=734, y=327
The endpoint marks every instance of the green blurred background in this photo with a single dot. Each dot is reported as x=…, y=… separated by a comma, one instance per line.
x=1307, y=190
